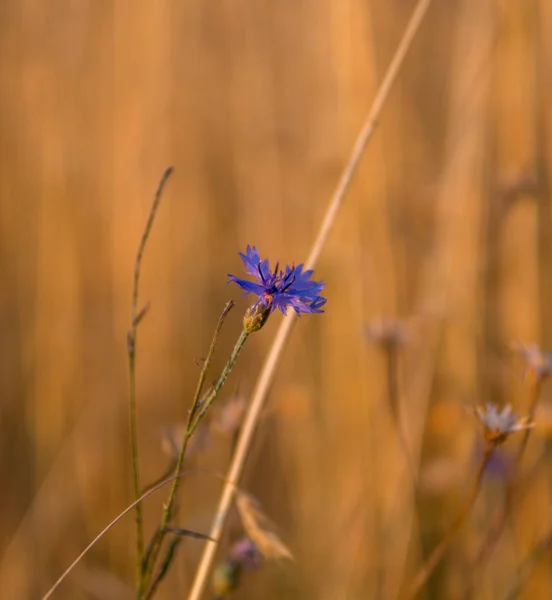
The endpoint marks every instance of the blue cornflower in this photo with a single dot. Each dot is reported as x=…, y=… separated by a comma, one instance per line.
x=280, y=289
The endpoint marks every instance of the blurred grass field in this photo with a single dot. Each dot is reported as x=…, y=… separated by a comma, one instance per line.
x=448, y=227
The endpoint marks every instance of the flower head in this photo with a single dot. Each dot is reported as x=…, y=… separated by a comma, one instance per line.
x=388, y=332
x=243, y=556
x=246, y=552
x=537, y=362
x=280, y=289
x=498, y=425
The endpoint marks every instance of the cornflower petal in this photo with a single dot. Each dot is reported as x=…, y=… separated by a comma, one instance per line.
x=280, y=289
x=248, y=286
x=251, y=261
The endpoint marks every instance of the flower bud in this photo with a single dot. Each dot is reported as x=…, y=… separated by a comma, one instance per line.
x=256, y=316
x=226, y=578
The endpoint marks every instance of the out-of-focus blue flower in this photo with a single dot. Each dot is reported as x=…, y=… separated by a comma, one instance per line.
x=498, y=424
x=280, y=289
x=246, y=552
x=243, y=556
x=537, y=363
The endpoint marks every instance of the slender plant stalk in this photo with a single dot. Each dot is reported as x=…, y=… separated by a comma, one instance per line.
x=173, y=466
x=195, y=416
x=201, y=381
x=441, y=548
x=495, y=532
x=141, y=498
x=389, y=345
x=165, y=565
x=401, y=520
x=392, y=372
x=267, y=373
x=198, y=411
x=135, y=457
x=135, y=317
x=534, y=394
x=202, y=410
x=527, y=566
x=392, y=356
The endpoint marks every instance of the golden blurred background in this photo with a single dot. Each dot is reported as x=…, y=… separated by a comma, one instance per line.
x=256, y=104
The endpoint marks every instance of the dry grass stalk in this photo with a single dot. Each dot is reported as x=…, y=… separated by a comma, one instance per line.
x=268, y=371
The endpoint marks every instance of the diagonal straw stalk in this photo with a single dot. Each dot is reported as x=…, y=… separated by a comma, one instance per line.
x=267, y=374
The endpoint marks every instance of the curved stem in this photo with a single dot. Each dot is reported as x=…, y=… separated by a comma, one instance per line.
x=60, y=580
x=441, y=548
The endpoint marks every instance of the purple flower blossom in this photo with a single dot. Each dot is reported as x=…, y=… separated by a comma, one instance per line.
x=280, y=289
x=246, y=553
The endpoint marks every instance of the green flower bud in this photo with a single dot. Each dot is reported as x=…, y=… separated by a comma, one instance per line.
x=256, y=316
x=226, y=578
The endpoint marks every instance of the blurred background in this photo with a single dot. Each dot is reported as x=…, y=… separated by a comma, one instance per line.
x=447, y=228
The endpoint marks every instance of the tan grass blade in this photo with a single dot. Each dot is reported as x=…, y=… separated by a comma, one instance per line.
x=255, y=524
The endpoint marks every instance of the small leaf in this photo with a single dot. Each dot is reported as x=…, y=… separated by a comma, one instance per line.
x=189, y=533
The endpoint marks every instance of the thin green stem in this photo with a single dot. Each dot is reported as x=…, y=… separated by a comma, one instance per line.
x=204, y=407
x=164, y=568
x=198, y=411
x=135, y=461
x=136, y=317
x=439, y=551
x=206, y=364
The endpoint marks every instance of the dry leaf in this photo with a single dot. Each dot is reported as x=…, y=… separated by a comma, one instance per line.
x=255, y=524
